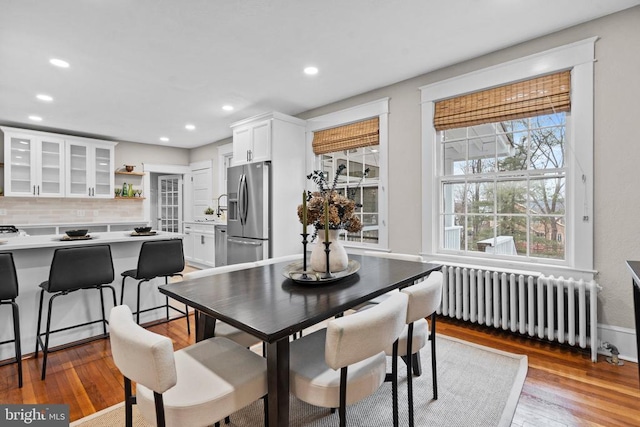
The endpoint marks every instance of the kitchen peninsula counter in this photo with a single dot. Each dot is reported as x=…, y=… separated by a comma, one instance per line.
x=33, y=255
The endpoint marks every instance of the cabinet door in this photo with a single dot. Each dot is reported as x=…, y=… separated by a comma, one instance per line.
x=103, y=178
x=50, y=167
x=78, y=165
x=261, y=142
x=20, y=165
x=187, y=243
x=241, y=145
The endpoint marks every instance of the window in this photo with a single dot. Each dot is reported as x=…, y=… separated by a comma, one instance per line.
x=357, y=139
x=511, y=186
x=503, y=187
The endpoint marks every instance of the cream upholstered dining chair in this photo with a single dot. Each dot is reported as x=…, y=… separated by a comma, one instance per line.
x=424, y=299
x=195, y=386
x=345, y=362
x=224, y=329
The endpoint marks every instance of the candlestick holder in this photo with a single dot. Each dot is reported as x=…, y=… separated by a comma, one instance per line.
x=327, y=274
x=304, y=257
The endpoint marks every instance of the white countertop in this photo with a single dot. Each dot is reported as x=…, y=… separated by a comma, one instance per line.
x=54, y=241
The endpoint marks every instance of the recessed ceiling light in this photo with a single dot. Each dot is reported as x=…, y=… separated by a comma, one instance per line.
x=164, y=139
x=59, y=63
x=189, y=126
x=35, y=118
x=227, y=107
x=311, y=71
x=43, y=97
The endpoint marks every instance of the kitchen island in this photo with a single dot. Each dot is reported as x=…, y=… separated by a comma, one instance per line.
x=33, y=255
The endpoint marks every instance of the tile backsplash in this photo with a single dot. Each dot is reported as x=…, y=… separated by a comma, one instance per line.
x=27, y=210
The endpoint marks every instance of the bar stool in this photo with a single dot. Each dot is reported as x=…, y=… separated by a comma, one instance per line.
x=8, y=295
x=73, y=269
x=158, y=258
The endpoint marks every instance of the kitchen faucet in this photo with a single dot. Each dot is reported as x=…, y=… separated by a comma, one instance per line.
x=219, y=209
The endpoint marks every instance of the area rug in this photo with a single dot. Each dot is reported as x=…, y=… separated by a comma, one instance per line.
x=477, y=386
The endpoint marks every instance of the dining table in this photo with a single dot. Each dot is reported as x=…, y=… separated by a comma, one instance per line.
x=266, y=303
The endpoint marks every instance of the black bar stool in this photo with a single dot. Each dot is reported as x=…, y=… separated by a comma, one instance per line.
x=158, y=258
x=74, y=269
x=8, y=295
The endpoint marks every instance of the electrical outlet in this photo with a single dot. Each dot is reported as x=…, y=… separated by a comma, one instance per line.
x=79, y=212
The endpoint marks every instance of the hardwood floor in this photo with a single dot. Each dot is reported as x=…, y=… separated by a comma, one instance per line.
x=563, y=387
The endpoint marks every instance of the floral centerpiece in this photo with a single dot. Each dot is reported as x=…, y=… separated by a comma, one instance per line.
x=329, y=210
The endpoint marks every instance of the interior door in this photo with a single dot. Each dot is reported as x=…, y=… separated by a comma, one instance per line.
x=170, y=203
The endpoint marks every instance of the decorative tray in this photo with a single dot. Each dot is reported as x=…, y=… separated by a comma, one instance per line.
x=295, y=272
x=148, y=233
x=70, y=238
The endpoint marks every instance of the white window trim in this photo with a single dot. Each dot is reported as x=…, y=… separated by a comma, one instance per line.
x=378, y=108
x=579, y=57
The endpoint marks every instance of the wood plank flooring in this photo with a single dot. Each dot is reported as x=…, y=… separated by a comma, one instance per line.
x=563, y=387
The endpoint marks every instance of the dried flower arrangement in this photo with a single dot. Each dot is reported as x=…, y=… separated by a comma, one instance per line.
x=341, y=208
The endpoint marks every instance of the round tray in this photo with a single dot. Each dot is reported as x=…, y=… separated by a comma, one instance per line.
x=295, y=272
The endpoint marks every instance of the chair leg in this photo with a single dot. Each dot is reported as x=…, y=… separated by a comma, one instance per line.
x=227, y=420
x=138, y=303
x=122, y=291
x=39, y=322
x=104, y=318
x=394, y=382
x=157, y=397
x=186, y=314
x=409, y=376
x=128, y=403
x=45, y=349
x=16, y=335
x=342, y=410
x=434, y=373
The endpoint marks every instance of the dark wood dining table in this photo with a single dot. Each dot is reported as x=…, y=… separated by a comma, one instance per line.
x=266, y=304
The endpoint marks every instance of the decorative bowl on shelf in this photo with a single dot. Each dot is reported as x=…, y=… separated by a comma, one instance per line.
x=140, y=230
x=129, y=168
x=76, y=233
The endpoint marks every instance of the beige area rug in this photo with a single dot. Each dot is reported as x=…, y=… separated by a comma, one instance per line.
x=477, y=386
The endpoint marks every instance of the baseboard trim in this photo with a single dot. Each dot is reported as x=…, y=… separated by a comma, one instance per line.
x=623, y=338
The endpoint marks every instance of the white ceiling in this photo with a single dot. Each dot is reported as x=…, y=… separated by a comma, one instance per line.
x=141, y=69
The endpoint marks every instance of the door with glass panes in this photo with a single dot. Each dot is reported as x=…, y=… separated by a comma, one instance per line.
x=170, y=203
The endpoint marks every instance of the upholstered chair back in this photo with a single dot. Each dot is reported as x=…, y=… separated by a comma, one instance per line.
x=424, y=297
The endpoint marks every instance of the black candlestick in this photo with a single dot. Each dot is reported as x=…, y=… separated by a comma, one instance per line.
x=327, y=274
x=304, y=256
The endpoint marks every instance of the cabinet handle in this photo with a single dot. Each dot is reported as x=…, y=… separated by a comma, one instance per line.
x=250, y=155
x=202, y=240
x=38, y=190
x=34, y=190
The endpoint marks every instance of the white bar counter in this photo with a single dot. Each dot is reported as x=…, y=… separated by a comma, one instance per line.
x=33, y=255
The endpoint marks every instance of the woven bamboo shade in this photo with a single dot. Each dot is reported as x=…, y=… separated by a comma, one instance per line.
x=542, y=95
x=347, y=137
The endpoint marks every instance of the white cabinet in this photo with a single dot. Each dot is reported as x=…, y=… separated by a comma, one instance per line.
x=199, y=244
x=280, y=139
x=252, y=142
x=34, y=164
x=89, y=169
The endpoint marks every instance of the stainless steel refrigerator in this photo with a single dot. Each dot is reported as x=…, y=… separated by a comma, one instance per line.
x=248, y=216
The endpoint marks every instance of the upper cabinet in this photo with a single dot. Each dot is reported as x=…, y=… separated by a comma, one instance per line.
x=252, y=142
x=40, y=164
x=89, y=169
x=34, y=165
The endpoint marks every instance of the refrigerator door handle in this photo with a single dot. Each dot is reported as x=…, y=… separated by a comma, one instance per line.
x=244, y=242
x=240, y=207
x=245, y=199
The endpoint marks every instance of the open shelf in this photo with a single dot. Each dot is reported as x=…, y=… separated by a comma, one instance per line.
x=129, y=173
x=129, y=198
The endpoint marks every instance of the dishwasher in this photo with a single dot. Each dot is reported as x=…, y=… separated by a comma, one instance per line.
x=221, y=245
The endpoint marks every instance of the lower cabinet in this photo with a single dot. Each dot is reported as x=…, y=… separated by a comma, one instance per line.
x=200, y=244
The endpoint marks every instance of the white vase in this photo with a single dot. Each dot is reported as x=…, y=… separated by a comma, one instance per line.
x=338, y=259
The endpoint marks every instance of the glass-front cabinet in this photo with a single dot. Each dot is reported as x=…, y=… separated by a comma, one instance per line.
x=89, y=170
x=34, y=165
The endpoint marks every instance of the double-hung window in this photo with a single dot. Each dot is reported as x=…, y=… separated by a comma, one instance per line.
x=508, y=155
x=356, y=139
